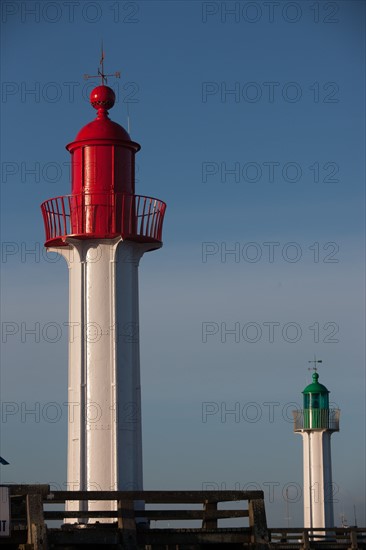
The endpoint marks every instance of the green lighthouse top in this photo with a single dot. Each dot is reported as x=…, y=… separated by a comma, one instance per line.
x=315, y=387
x=316, y=396
x=316, y=414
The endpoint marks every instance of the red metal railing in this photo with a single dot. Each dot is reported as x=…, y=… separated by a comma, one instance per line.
x=103, y=216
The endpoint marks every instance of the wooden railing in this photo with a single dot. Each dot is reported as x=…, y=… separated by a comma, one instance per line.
x=132, y=527
x=30, y=514
x=351, y=538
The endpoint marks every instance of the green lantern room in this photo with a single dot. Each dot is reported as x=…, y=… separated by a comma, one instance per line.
x=316, y=396
x=316, y=405
x=316, y=414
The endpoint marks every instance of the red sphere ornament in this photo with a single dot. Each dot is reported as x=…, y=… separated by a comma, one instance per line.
x=102, y=97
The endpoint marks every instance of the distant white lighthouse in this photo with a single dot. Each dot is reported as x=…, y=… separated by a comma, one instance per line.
x=316, y=422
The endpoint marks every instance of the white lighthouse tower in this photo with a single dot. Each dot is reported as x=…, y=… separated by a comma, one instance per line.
x=316, y=422
x=103, y=229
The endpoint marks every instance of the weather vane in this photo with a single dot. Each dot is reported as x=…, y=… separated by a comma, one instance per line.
x=314, y=361
x=101, y=74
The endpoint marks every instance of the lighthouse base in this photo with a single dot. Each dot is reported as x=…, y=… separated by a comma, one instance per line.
x=318, y=485
x=104, y=393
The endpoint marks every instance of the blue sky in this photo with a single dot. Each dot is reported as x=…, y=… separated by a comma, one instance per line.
x=252, y=130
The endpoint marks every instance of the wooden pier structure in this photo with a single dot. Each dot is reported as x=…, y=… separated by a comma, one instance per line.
x=133, y=529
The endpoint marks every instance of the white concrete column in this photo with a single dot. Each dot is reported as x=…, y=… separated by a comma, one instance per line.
x=104, y=426
x=316, y=478
x=318, y=488
x=306, y=480
x=328, y=481
x=76, y=437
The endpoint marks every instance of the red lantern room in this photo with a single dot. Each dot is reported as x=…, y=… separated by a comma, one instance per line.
x=103, y=203
x=103, y=155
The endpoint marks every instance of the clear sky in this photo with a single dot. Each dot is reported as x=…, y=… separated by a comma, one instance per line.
x=252, y=125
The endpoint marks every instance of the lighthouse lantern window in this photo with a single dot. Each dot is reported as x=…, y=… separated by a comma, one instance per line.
x=316, y=396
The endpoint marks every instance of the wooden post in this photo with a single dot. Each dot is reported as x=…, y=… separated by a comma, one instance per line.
x=258, y=522
x=305, y=540
x=37, y=530
x=127, y=523
x=353, y=537
x=209, y=523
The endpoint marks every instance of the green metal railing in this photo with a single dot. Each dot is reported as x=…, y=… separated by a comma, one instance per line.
x=316, y=419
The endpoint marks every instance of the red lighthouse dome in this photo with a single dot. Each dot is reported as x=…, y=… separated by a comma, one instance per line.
x=103, y=98
x=103, y=155
x=103, y=204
